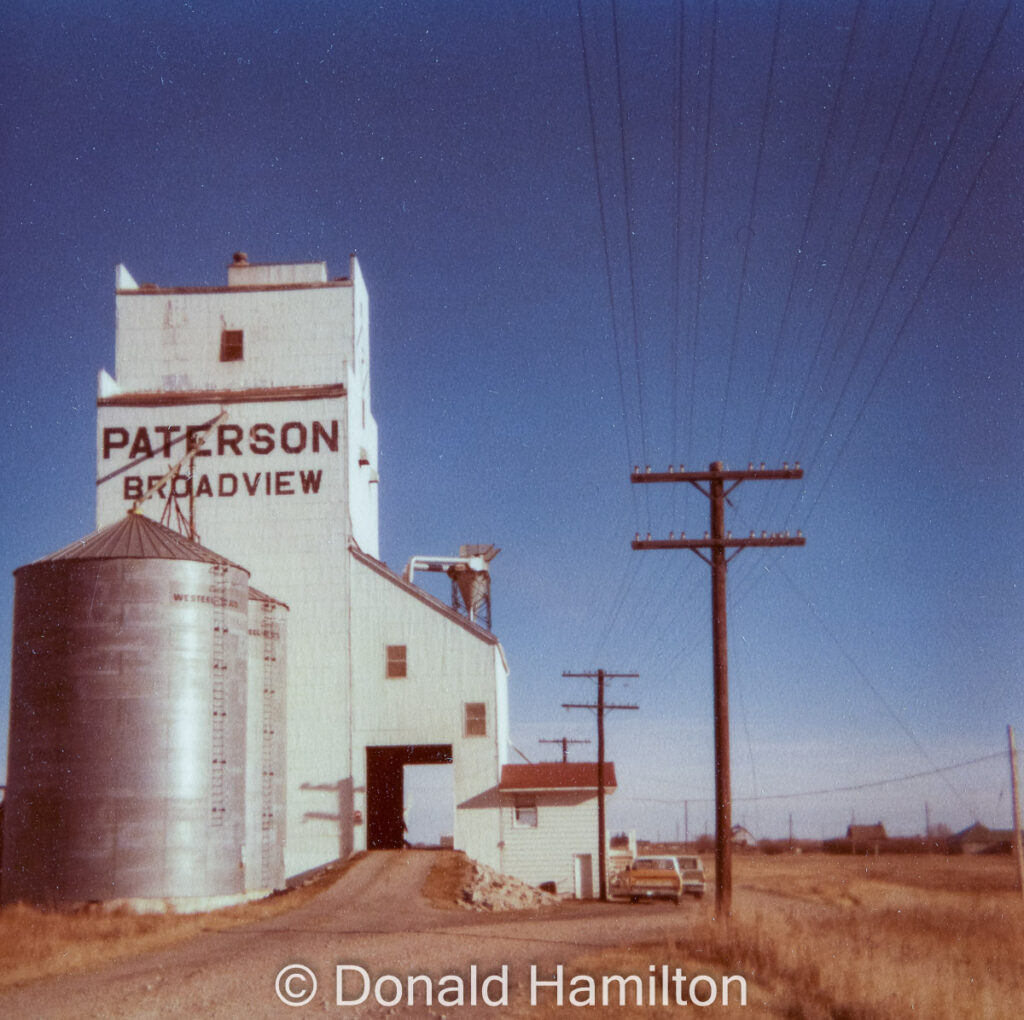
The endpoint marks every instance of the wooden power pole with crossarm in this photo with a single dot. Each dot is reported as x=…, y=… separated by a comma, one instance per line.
x=601, y=707
x=712, y=548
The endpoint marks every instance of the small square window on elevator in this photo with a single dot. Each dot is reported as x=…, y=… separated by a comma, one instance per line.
x=476, y=719
x=232, y=345
x=396, y=662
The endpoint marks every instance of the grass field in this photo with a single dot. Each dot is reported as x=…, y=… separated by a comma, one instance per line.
x=819, y=936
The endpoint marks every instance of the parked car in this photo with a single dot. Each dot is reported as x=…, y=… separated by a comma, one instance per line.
x=692, y=869
x=652, y=877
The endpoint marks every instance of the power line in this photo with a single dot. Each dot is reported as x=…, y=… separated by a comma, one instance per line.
x=864, y=677
x=901, y=330
x=802, y=247
x=825, y=792
x=605, y=235
x=909, y=236
x=697, y=306
x=627, y=195
x=751, y=212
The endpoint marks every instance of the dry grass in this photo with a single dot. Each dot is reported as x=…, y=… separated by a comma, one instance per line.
x=858, y=939
x=37, y=943
x=815, y=937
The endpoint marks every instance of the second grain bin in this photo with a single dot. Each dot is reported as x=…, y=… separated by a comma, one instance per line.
x=126, y=765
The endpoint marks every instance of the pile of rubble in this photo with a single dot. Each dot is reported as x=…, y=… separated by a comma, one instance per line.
x=486, y=889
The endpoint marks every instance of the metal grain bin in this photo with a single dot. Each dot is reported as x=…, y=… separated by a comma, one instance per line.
x=265, y=744
x=126, y=766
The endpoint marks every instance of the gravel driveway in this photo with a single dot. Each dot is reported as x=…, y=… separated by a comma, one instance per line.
x=372, y=921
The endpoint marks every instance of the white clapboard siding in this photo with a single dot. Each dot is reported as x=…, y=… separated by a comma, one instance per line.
x=566, y=826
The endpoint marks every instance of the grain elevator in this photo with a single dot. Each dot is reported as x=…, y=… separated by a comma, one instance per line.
x=246, y=408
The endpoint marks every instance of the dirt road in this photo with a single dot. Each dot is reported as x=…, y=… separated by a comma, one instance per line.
x=374, y=924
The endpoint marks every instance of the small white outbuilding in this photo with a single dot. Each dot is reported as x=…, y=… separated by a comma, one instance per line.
x=549, y=824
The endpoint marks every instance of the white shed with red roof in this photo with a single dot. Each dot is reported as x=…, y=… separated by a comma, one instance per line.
x=549, y=823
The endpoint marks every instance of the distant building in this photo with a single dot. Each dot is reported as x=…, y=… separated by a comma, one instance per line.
x=979, y=839
x=549, y=823
x=742, y=837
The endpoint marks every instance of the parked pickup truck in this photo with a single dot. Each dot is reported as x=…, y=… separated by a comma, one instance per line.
x=650, y=878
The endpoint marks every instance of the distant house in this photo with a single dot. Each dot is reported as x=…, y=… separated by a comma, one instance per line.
x=742, y=837
x=866, y=839
x=549, y=824
x=979, y=839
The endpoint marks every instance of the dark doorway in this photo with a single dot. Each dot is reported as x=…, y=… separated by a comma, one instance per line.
x=385, y=794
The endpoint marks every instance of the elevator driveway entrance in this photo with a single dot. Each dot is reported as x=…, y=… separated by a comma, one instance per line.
x=385, y=796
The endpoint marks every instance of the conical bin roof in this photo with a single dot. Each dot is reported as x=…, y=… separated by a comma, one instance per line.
x=138, y=537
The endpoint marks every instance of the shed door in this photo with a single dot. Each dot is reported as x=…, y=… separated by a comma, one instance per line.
x=584, y=873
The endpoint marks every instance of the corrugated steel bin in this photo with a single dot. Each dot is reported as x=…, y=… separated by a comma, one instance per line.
x=126, y=769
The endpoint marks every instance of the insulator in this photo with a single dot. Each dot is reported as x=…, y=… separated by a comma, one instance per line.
x=762, y=465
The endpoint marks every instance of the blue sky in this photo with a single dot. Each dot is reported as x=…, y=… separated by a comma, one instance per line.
x=663, y=233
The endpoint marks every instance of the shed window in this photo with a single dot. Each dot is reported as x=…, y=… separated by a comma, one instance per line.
x=396, y=662
x=524, y=813
x=231, y=345
x=476, y=719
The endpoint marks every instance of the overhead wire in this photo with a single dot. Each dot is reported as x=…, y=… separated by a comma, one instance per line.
x=679, y=55
x=940, y=250
x=805, y=231
x=879, y=164
x=748, y=230
x=701, y=222
x=866, y=680
x=950, y=232
x=832, y=790
x=898, y=191
x=606, y=238
x=628, y=211
x=901, y=330
x=640, y=616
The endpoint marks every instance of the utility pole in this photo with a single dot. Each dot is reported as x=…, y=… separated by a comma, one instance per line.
x=565, y=742
x=1015, y=788
x=602, y=707
x=720, y=482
